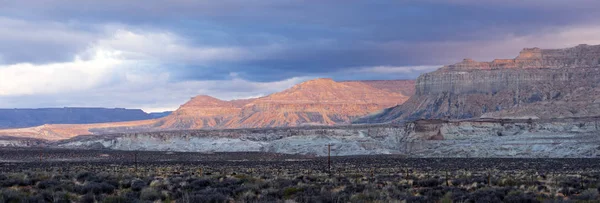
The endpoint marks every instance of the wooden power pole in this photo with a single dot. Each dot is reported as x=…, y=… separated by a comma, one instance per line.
x=329, y=158
x=135, y=160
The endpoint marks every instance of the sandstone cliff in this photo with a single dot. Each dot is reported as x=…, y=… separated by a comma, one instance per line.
x=203, y=112
x=539, y=83
x=315, y=102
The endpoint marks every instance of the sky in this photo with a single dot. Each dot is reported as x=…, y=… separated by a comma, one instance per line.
x=155, y=55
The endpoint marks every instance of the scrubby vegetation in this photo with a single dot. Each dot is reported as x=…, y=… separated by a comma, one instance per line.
x=240, y=178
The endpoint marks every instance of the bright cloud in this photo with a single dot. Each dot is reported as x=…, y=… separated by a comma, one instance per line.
x=26, y=78
x=123, y=71
x=166, y=46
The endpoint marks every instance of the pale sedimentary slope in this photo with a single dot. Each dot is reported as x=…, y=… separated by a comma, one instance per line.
x=434, y=138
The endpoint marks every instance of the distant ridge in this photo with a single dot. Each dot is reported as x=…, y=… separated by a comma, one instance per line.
x=20, y=118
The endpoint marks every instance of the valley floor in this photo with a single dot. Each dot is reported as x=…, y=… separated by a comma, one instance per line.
x=127, y=176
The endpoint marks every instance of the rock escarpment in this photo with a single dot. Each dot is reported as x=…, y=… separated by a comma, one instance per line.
x=539, y=83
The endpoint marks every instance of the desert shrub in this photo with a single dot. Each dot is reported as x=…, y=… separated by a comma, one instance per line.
x=208, y=198
x=45, y=196
x=137, y=185
x=25, y=182
x=351, y=189
x=224, y=190
x=83, y=176
x=290, y=191
x=570, y=182
x=487, y=195
x=431, y=182
x=45, y=184
x=272, y=194
x=10, y=195
x=150, y=194
x=589, y=194
x=8, y=182
x=62, y=197
x=88, y=198
x=131, y=196
x=508, y=182
x=520, y=197
x=114, y=183
x=460, y=181
x=365, y=196
x=198, y=184
x=115, y=199
x=35, y=199
x=95, y=188
x=323, y=197
x=228, y=182
x=125, y=183
x=432, y=193
x=447, y=198
x=418, y=199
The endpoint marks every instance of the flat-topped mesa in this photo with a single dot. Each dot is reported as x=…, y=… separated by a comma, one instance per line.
x=582, y=55
x=543, y=83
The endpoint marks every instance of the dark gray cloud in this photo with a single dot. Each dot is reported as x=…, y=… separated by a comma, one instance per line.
x=347, y=30
x=273, y=40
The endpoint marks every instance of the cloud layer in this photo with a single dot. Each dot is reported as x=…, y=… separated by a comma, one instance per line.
x=155, y=55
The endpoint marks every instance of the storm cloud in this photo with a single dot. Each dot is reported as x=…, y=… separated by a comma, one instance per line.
x=65, y=53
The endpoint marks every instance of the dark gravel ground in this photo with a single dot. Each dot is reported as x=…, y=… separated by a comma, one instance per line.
x=55, y=175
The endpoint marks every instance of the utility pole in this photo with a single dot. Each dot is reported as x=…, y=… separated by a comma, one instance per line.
x=135, y=160
x=329, y=158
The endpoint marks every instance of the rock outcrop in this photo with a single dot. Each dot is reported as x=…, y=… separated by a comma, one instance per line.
x=539, y=83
